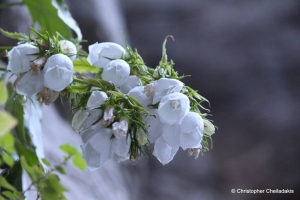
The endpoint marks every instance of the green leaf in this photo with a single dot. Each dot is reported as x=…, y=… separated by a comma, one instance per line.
x=3, y=90
x=46, y=162
x=50, y=188
x=68, y=149
x=26, y=152
x=83, y=66
x=14, y=175
x=8, y=159
x=46, y=15
x=5, y=184
x=60, y=169
x=15, y=35
x=9, y=194
x=7, y=122
x=79, y=162
x=34, y=171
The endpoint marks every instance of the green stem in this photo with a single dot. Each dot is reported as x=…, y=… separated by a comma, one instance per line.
x=6, y=5
x=3, y=48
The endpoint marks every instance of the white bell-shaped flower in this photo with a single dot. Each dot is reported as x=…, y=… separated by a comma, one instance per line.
x=138, y=93
x=154, y=125
x=120, y=128
x=117, y=72
x=132, y=82
x=163, y=151
x=58, y=72
x=100, y=54
x=120, y=149
x=96, y=99
x=191, y=128
x=21, y=56
x=166, y=86
x=79, y=119
x=30, y=84
x=171, y=134
x=68, y=48
x=173, y=108
x=209, y=128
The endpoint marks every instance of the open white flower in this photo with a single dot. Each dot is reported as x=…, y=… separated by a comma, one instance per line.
x=165, y=86
x=132, y=82
x=120, y=149
x=58, y=72
x=209, y=128
x=30, y=84
x=138, y=93
x=173, y=108
x=120, y=128
x=163, y=151
x=191, y=128
x=20, y=57
x=96, y=99
x=68, y=48
x=117, y=72
x=100, y=54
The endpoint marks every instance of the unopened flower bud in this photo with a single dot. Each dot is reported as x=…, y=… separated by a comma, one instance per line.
x=69, y=48
x=117, y=72
x=209, y=128
x=141, y=137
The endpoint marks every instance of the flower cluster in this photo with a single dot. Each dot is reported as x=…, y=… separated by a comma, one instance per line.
x=137, y=106
x=40, y=70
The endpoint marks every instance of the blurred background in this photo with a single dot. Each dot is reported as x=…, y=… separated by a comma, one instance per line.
x=243, y=55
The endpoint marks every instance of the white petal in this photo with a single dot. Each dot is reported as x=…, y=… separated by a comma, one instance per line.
x=100, y=54
x=92, y=118
x=96, y=99
x=30, y=84
x=78, y=120
x=163, y=151
x=138, y=93
x=91, y=156
x=120, y=149
x=117, y=72
x=171, y=134
x=58, y=72
x=173, y=113
x=192, y=121
x=132, y=82
x=154, y=125
x=166, y=86
x=191, y=139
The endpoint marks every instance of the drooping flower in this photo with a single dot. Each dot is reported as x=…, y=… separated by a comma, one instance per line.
x=117, y=72
x=209, y=128
x=165, y=86
x=163, y=151
x=21, y=56
x=100, y=54
x=173, y=108
x=68, y=48
x=132, y=82
x=120, y=149
x=120, y=128
x=29, y=84
x=138, y=93
x=96, y=99
x=154, y=126
x=58, y=72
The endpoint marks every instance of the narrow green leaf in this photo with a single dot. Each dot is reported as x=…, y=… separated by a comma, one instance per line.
x=7, y=122
x=3, y=92
x=60, y=169
x=9, y=194
x=5, y=184
x=83, y=66
x=8, y=159
x=68, y=149
x=46, y=162
x=79, y=162
x=15, y=35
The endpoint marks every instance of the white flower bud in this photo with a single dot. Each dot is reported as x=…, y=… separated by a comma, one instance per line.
x=163, y=151
x=30, y=84
x=120, y=128
x=21, y=56
x=209, y=128
x=96, y=99
x=79, y=119
x=159, y=72
x=138, y=93
x=173, y=108
x=68, y=48
x=166, y=86
x=192, y=128
x=117, y=72
x=100, y=54
x=132, y=82
x=58, y=72
x=141, y=137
